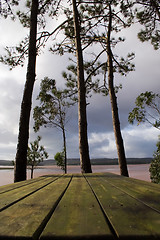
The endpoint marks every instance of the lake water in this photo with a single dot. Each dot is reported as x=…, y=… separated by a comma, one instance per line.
x=139, y=171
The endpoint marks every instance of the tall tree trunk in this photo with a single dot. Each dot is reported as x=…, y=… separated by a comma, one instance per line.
x=114, y=106
x=21, y=155
x=82, y=116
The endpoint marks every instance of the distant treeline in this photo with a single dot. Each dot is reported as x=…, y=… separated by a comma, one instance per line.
x=95, y=161
x=101, y=161
x=6, y=163
x=111, y=161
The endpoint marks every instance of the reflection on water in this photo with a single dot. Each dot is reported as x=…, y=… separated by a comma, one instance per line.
x=6, y=176
x=139, y=171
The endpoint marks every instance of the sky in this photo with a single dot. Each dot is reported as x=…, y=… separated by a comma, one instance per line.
x=139, y=141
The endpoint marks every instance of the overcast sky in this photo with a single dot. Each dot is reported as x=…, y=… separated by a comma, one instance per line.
x=139, y=141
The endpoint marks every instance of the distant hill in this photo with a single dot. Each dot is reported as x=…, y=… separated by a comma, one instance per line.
x=50, y=162
x=114, y=161
x=95, y=161
x=6, y=163
x=139, y=160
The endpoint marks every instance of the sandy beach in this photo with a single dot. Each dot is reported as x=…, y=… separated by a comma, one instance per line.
x=139, y=171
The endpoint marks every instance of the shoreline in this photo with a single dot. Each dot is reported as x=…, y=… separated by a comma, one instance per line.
x=138, y=171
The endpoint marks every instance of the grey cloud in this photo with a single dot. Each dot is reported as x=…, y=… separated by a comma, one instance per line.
x=99, y=114
x=146, y=77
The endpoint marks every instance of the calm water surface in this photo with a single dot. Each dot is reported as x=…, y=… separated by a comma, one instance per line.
x=140, y=171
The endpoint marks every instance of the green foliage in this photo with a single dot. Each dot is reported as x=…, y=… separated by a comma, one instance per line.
x=52, y=111
x=148, y=14
x=155, y=165
x=91, y=84
x=16, y=55
x=146, y=110
x=93, y=20
x=53, y=106
x=47, y=8
x=6, y=8
x=35, y=154
x=97, y=23
x=13, y=162
x=60, y=160
x=125, y=65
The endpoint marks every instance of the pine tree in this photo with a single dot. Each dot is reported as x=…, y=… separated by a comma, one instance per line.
x=16, y=56
x=35, y=154
x=52, y=110
x=102, y=19
x=21, y=155
x=82, y=115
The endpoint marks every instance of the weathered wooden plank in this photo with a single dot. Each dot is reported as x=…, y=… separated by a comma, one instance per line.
x=10, y=187
x=146, y=192
x=130, y=218
x=27, y=218
x=78, y=215
x=11, y=197
x=131, y=180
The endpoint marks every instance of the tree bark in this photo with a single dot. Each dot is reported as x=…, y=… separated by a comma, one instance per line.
x=65, y=151
x=63, y=132
x=21, y=155
x=82, y=115
x=32, y=168
x=114, y=106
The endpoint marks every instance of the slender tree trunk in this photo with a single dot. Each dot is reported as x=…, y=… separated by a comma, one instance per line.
x=21, y=155
x=82, y=115
x=64, y=134
x=114, y=106
x=32, y=168
x=65, y=150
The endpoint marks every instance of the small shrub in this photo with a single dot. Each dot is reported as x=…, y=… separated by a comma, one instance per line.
x=155, y=165
x=59, y=158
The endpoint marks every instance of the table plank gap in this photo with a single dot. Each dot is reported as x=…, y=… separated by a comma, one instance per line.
x=27, y=218
x=137, y=220
x=78, y=215
x=138, y=190
x=12, y=197
x=113, y=230
x=12, y=186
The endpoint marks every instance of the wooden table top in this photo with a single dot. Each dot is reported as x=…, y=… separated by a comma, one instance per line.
x=80, y=206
